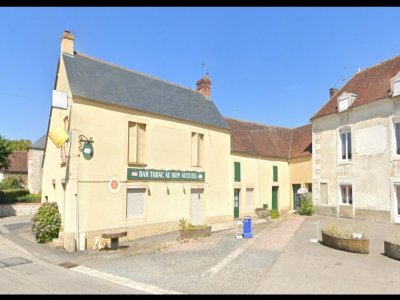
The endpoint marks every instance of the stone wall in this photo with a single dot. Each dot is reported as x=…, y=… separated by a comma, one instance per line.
x=35, y=158
x=324, y=210
x=18, y=209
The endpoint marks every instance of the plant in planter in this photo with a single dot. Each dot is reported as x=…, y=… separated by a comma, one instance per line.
x=189, y=231
x=344, y=238
x=274, y=213
x=392, y=248
x=307, y=207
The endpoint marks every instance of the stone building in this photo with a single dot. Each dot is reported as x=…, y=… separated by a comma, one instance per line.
x=35, y=161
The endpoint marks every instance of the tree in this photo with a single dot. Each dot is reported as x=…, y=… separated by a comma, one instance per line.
x=5, y=151
x=20, y=145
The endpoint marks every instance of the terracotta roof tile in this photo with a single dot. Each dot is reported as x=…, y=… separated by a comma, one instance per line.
x=18, y=162
x=369, y=85
x=268, y=141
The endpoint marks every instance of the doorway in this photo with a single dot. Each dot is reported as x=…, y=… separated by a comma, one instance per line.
x=275, y=197
x=236, y=203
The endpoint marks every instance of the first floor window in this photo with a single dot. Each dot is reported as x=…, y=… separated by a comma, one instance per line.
x=397, y=190
x=346, y=192
x=249, y=198
x=323, y=187
x=136, y=142
x=345, y=139
x=397, y=132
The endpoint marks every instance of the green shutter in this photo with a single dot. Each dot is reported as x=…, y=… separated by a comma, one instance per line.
x=275, y=173
x=237, y=171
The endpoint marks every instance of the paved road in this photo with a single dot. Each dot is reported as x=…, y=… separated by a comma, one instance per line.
x=279, y=260
x=21, y=272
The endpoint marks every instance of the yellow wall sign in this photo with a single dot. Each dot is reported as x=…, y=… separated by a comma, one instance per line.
x=58, y=136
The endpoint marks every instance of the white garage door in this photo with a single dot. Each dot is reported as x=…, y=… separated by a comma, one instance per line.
x=135, y=202
x=196, y=206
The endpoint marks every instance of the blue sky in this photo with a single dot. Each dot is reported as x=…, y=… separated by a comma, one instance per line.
x=267, y=64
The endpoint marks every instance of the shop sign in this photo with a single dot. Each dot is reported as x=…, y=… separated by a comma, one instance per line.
x=166, y=175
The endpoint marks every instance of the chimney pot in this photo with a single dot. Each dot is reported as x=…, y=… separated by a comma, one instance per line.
x=67, y=42
x=332, y=92
x=204, y=86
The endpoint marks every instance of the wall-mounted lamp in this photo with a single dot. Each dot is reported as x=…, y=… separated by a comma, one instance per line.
x=86, y=146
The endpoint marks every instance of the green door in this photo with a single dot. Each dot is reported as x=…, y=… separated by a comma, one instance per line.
x=295, y=188
x=236, y=203
x=275, y=197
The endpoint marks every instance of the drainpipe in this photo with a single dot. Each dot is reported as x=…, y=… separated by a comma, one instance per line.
x=258, y=172
x=76, y=220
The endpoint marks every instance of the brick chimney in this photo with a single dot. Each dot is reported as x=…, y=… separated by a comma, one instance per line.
x=67, y=43
x=332, y=92
x=204, y=86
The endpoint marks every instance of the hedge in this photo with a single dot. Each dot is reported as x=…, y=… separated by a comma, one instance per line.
x=11, y=196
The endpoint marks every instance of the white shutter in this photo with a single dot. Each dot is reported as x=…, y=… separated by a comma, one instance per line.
x=249, y=199
x=141, y=143
x=132, y=143
x=195, y=154
x=196, y=207
x=135, y=202
x=324, y=193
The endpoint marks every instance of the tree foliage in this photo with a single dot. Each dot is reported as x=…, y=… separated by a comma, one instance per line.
x=20, y=145
x=5, y=151
x=11, y=182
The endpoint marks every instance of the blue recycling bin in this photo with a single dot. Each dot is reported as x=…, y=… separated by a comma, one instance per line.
x=247, y=227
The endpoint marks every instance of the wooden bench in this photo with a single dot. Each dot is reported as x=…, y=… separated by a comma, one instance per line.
x=114, y=236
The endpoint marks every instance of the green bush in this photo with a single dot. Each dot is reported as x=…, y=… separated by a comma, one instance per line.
x=10, y=196
x=11, y=182
x=265, y=205
x=46, y=223
x=30, y=198
x=307, y=207
x=274, y=213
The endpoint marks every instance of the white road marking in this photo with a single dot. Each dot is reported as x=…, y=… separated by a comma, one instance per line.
x=215, y=269
x=140, y=286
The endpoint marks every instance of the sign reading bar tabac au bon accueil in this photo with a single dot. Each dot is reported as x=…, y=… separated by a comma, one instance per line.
x=171, y=175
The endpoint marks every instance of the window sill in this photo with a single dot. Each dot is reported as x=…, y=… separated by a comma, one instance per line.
x=345, y=162
x=137, y=164
x=345, y=204
x=396, y=157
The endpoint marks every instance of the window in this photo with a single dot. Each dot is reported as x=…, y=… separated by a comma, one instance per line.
x=237, y=171
x=309, y=187
x=324, y=193
x=345, y=142
x=346, y=193
x=197, y=149
x=345, y=101
x=397, y=190
x=135, y=202
x=249, y=198
x=397, y=134
x=136, y=142
x=275, y=173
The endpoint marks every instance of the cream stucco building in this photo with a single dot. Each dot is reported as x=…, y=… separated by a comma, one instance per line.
x=126, y=151
x=356, y=138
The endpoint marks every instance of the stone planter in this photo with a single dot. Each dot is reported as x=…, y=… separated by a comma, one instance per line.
x=392, y=250
x=345, y=244
x=262, y=212
x=194, y=233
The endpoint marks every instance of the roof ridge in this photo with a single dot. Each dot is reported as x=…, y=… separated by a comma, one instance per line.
x=309, y=124
x=256, y=123
x=378, y=64
x=133, y=71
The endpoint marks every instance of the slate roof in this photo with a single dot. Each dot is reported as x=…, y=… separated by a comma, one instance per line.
x=369, y=85
x=94, y=79
x=269, y=141
x=40, y=143
x=18, y=162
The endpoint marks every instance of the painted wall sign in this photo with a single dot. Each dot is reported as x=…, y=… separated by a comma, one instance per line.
x=114, y=184
x=166, y=175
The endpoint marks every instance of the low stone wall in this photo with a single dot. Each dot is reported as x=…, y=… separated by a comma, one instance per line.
x=323, y=210
x=346, y=211
x=219, y=219
x=373, y=215
x=18, y=209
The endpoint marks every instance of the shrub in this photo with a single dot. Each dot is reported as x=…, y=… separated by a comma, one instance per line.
x=30, y=198
x=46, y=223
x=182, y=223
x=11, y=196
x=11, y=182
x=265, y=206
x=274, y=213
x=307, y=207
